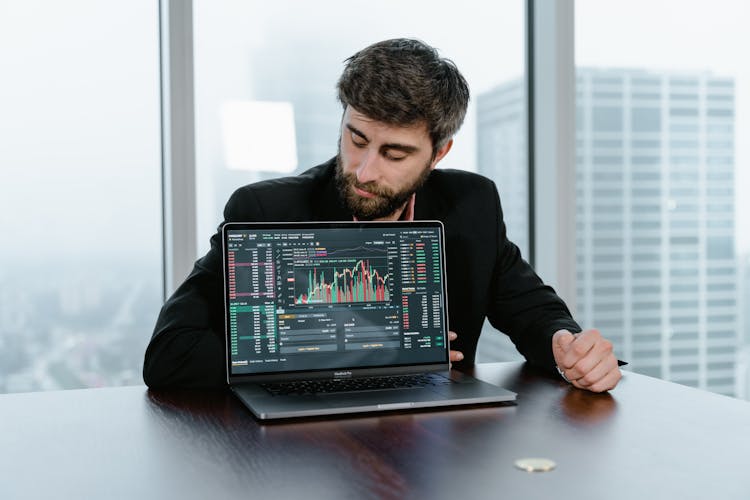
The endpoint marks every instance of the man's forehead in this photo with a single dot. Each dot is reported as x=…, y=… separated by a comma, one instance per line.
x=354, y=117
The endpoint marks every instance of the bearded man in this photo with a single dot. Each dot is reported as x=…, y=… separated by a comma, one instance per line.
x=402, y=105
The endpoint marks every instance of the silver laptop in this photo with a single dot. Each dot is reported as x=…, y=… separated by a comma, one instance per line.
x=327, y=318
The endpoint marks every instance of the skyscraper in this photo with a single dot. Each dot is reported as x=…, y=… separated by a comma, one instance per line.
x=656, y=266
x=501, y=154
x=743, y=359
x=655, y=228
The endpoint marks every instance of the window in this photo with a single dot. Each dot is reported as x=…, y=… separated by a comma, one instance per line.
x=684, y=97
x=646, y=120
x=80, y=197
x=269, y=52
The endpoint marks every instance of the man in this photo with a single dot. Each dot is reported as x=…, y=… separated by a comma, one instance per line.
x=402, y=106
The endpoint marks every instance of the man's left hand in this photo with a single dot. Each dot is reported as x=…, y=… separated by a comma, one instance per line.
x=454, y=355
x=586, y=360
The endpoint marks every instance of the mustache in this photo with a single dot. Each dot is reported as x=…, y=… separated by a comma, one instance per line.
x=370, y=186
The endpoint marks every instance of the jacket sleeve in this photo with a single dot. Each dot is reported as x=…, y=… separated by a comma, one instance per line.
x=187, y=349
x=521, y=305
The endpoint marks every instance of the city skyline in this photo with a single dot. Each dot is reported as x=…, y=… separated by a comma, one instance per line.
x=501, y=125
x=71, y=154
x=655, y=246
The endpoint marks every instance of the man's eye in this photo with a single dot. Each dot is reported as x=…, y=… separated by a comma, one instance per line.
x=395, y=157
x=358, y=141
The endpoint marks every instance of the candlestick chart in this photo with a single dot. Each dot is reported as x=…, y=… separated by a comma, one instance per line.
x=344, y=280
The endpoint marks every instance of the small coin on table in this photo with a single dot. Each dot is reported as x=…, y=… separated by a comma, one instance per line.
x=535, y=464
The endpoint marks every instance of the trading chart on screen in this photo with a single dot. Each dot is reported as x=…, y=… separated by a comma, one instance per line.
x=351, y=296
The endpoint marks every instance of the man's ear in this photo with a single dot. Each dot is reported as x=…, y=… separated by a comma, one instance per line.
x=441, y=152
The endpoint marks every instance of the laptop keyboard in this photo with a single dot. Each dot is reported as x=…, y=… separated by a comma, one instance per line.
x=356, y=384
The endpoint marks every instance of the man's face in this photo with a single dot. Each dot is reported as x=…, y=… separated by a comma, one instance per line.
x=380, y=166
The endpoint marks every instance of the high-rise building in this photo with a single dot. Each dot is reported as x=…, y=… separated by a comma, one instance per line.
x=655, y=221
x=656, y=266
x=743, y=358
x=501, y=154
x=744, y=298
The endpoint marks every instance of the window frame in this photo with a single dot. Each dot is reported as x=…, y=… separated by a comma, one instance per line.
x=550, y=90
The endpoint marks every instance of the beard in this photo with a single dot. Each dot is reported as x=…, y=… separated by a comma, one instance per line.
x=385, y=202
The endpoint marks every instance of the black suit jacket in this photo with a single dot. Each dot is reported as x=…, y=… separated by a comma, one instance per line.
x=485, y=272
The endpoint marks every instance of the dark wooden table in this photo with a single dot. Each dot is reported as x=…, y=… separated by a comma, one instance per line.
x=647, y=440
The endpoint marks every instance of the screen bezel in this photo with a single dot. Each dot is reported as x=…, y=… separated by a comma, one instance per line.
x=343, y=371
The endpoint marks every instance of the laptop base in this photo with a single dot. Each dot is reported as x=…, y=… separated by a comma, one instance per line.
x=465, y=390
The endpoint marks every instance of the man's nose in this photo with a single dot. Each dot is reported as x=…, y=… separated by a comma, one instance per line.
x=368, y=169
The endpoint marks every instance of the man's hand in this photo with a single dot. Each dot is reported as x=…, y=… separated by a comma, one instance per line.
x=454, y=355
x=586, y=360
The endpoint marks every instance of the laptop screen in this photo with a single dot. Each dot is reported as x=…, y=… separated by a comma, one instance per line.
x=322, y=296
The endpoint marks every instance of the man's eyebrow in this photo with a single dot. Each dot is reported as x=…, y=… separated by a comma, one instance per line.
x=406, y=148
x=357, y=132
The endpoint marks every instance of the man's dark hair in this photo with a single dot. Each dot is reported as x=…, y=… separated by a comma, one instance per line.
x=405, y=82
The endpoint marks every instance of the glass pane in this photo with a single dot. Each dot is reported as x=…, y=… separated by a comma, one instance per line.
x=266, y=59
x=663, y=148
x=80, y=199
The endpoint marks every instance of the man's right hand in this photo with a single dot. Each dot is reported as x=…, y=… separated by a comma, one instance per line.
x=586, y=360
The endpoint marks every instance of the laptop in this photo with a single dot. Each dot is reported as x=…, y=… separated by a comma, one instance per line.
x=326, y=318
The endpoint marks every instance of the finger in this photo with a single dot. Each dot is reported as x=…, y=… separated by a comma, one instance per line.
x=594, y=374
x=595, y=378
x=608, y=383
x=563, y=338
x=454, y=356
x=602, y=350
x=579, y=348
x=561, y=341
